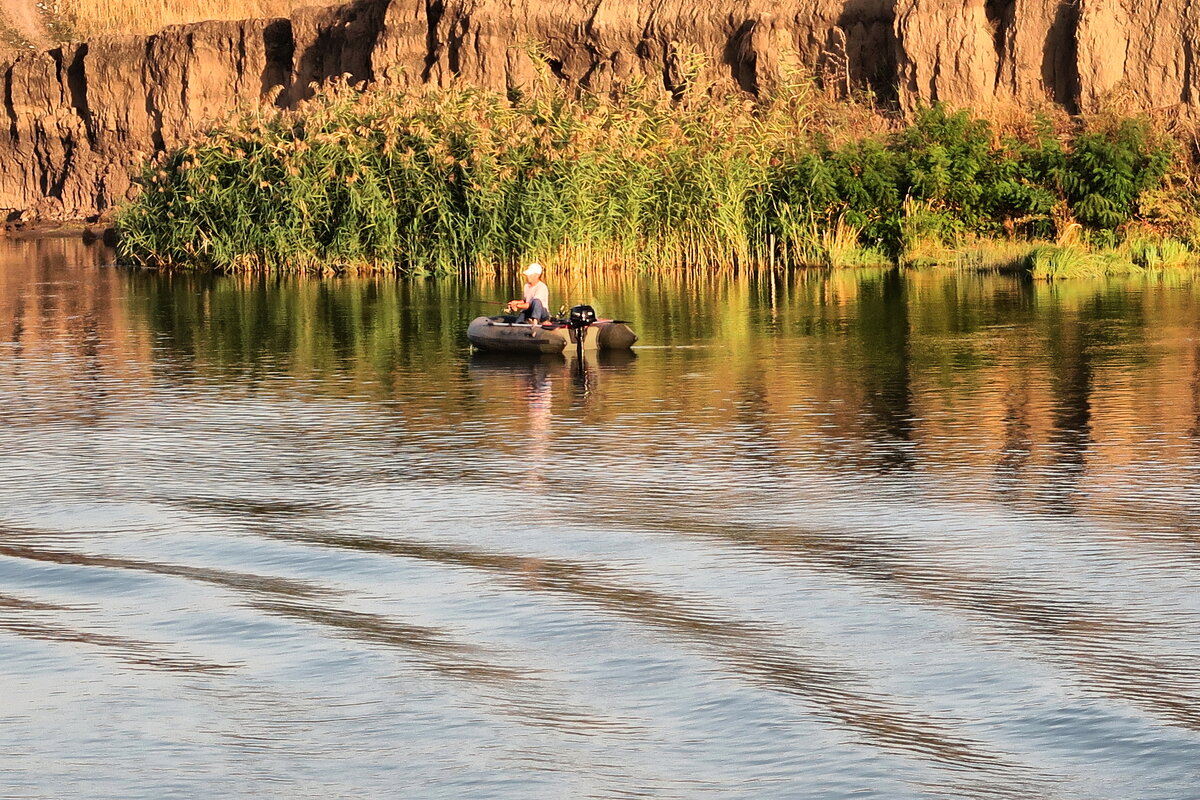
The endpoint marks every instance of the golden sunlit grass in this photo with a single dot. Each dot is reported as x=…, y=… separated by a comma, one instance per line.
x=87, y=18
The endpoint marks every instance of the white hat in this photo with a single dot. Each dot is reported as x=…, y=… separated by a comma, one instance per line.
x=533, y=269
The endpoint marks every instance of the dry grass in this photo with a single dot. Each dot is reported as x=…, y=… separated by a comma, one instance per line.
x=20, y=26
x=83, y=19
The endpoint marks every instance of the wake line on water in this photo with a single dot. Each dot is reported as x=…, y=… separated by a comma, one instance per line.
x=1087, y=637
x=745, y=647
x=522, y=694
x=16, y=617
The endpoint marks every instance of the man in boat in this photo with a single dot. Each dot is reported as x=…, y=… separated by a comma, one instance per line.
x=535, y=306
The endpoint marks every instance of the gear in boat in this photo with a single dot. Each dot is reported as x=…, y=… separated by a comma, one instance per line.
x=579, y=330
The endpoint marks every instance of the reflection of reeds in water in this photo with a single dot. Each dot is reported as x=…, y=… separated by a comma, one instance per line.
x=376, y=331
x=364, y=324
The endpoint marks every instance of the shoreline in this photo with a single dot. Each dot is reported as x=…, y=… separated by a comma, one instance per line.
x=979, y=256
x=67, y=229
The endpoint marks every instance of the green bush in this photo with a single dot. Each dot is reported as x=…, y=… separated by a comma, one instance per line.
x=1108, y=170
x=954, y=166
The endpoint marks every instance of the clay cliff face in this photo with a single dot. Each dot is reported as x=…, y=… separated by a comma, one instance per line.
x=76, y=119
x=1074, y=53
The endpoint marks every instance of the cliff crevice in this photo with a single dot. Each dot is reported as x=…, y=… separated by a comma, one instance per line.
x=78, y=118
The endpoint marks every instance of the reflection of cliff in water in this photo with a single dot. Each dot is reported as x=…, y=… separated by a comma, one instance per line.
x=1071, y=384
x=1079, y=343
x=64, y=325
x=883, y=331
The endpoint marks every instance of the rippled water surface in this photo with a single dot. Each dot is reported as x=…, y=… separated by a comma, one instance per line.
x=867, y=535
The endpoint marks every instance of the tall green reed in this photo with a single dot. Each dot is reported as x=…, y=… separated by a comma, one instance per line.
x=451, y=179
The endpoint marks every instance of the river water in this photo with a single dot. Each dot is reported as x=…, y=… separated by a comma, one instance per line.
x=862, y=534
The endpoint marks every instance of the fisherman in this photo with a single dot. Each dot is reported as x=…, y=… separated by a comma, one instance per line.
x=534, y=308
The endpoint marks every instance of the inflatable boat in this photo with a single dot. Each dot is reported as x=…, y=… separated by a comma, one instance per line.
x=579, y=331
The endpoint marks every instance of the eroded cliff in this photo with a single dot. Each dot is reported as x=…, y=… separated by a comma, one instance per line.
x=76, y=119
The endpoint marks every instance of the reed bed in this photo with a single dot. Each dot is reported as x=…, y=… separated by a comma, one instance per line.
x=462, y=179
x=442, y=180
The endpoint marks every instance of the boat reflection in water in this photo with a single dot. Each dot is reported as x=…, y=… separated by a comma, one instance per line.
x=528, y=383
x=536, y=374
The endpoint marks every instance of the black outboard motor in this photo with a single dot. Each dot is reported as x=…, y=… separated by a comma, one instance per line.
x=581, y=317
x=579, y=320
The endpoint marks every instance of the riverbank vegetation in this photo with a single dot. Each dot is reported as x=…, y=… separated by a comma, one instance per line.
x=439, y=180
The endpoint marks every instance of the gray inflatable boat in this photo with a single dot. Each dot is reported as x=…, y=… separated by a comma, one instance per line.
x=506, y=335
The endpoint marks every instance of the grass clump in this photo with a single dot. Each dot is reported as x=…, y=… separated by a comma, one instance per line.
x=1154, y=252
x=1140, y=252
x=1054, y=261
x=438, y=180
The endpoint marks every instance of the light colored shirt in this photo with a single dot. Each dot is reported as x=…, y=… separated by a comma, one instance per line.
x=539, y=292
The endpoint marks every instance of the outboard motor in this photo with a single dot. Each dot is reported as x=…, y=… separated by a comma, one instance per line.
x=581, y=317
x=579, y=320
